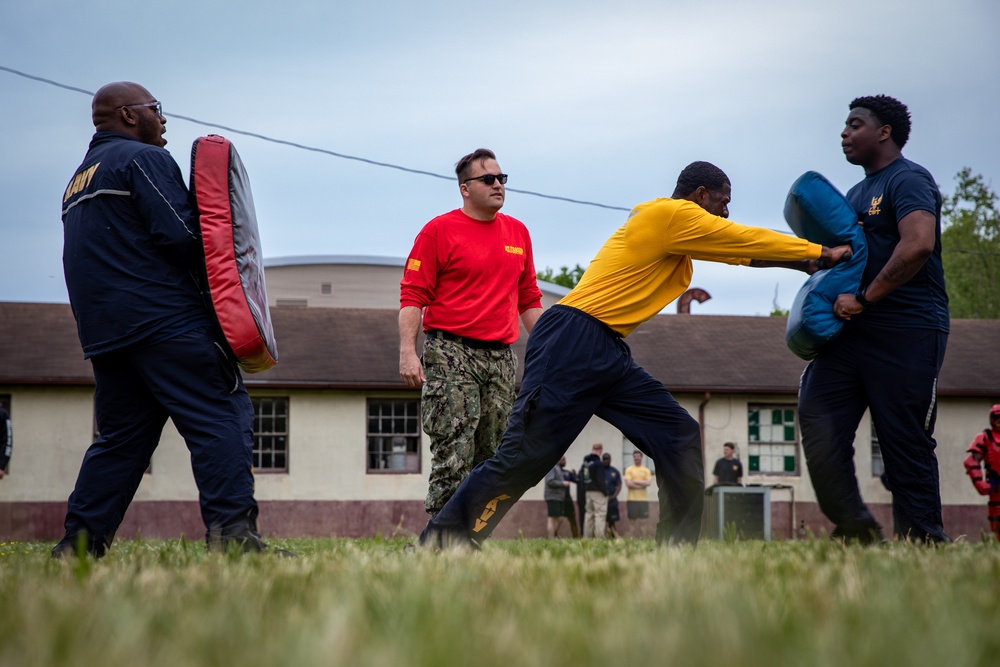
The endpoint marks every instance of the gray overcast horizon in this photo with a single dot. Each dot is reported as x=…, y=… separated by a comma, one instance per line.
x=587, y=101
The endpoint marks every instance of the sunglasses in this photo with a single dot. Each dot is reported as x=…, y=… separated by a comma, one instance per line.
x=489, y=179
x=156, y=106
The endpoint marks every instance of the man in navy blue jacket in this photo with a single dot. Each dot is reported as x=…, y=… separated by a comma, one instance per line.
x=133, y=261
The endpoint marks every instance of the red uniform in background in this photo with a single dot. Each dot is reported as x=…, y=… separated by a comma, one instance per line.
x=984, y=452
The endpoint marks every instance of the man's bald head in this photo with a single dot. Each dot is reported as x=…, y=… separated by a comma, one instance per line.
x=118, y=107
x=114, y=95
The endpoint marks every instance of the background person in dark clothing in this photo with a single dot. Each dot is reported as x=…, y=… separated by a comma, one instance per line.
x=556, y=486
x=569, y=511
x=6, y=440
x=728, y=469
x=133, y=260
x=595, y=489
x=613, y=485
x=581, y=501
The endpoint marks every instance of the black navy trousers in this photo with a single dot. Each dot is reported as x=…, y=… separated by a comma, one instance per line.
x=193, y=381
x=893, y=373
x=576, y=367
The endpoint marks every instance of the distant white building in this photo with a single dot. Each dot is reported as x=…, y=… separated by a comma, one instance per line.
x=348, y=281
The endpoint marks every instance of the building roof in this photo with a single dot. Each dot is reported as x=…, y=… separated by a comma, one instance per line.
x=358, y=348
x=39, y=345
x=324, y=260
x=283, y=263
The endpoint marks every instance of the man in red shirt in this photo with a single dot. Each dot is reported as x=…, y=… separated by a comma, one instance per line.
x=468, y=277
x=984, y=452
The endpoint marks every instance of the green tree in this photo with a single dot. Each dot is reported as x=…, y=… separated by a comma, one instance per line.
x=565, y=277
x=971, y=248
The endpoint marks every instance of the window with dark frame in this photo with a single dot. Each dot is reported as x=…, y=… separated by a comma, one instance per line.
x=393, y=435
x=270, y=434
x=773, y=440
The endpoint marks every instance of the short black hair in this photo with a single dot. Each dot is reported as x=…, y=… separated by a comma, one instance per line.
x=699, y=174
x=478, y=155
x=889, y=111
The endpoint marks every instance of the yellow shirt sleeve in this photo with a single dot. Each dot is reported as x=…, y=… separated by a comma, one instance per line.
x=696, y=232
x=646, y=263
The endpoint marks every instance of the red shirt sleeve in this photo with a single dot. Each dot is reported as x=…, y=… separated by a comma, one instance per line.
x=420, y=271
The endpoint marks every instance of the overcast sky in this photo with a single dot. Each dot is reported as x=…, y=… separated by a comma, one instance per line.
x=597, y=101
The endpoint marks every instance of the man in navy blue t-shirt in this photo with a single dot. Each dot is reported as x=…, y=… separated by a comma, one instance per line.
x=888, y=356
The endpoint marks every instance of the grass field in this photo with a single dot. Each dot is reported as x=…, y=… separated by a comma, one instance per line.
x=517, y=603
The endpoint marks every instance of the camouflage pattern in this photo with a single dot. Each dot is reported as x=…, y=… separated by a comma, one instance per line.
x=465, y=404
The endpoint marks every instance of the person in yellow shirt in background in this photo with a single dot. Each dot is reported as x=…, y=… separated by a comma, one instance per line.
x=638, y=478
x=578, y=365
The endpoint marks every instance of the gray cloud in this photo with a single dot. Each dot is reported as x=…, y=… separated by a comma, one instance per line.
x=599, y=103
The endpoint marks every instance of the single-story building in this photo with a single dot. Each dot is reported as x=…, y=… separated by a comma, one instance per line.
x=338, y=444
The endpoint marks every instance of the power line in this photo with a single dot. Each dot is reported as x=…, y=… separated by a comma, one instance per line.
x=376, y=163
x=315, y=149
x=43, y=80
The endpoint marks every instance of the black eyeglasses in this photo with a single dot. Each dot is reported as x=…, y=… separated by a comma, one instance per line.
x=156, y=106
x=489, y=179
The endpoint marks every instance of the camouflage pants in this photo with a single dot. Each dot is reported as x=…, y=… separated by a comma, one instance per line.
x=465, y=404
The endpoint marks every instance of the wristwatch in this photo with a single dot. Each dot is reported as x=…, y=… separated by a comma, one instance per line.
x=860, y=296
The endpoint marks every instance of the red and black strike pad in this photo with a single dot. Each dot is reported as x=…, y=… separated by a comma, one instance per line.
x=233, y=258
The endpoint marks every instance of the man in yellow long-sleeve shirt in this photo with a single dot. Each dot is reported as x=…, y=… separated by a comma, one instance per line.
x=578, y=365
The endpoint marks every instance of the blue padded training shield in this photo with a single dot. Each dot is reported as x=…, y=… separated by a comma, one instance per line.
x=816, y=211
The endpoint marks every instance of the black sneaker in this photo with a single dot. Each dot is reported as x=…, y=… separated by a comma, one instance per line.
x=435, y=539
x=242, y=541
x=71, y=546
x=63, y=551
x=865, y=536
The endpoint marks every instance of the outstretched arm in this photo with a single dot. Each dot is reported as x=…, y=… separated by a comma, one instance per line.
x=830, y=257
